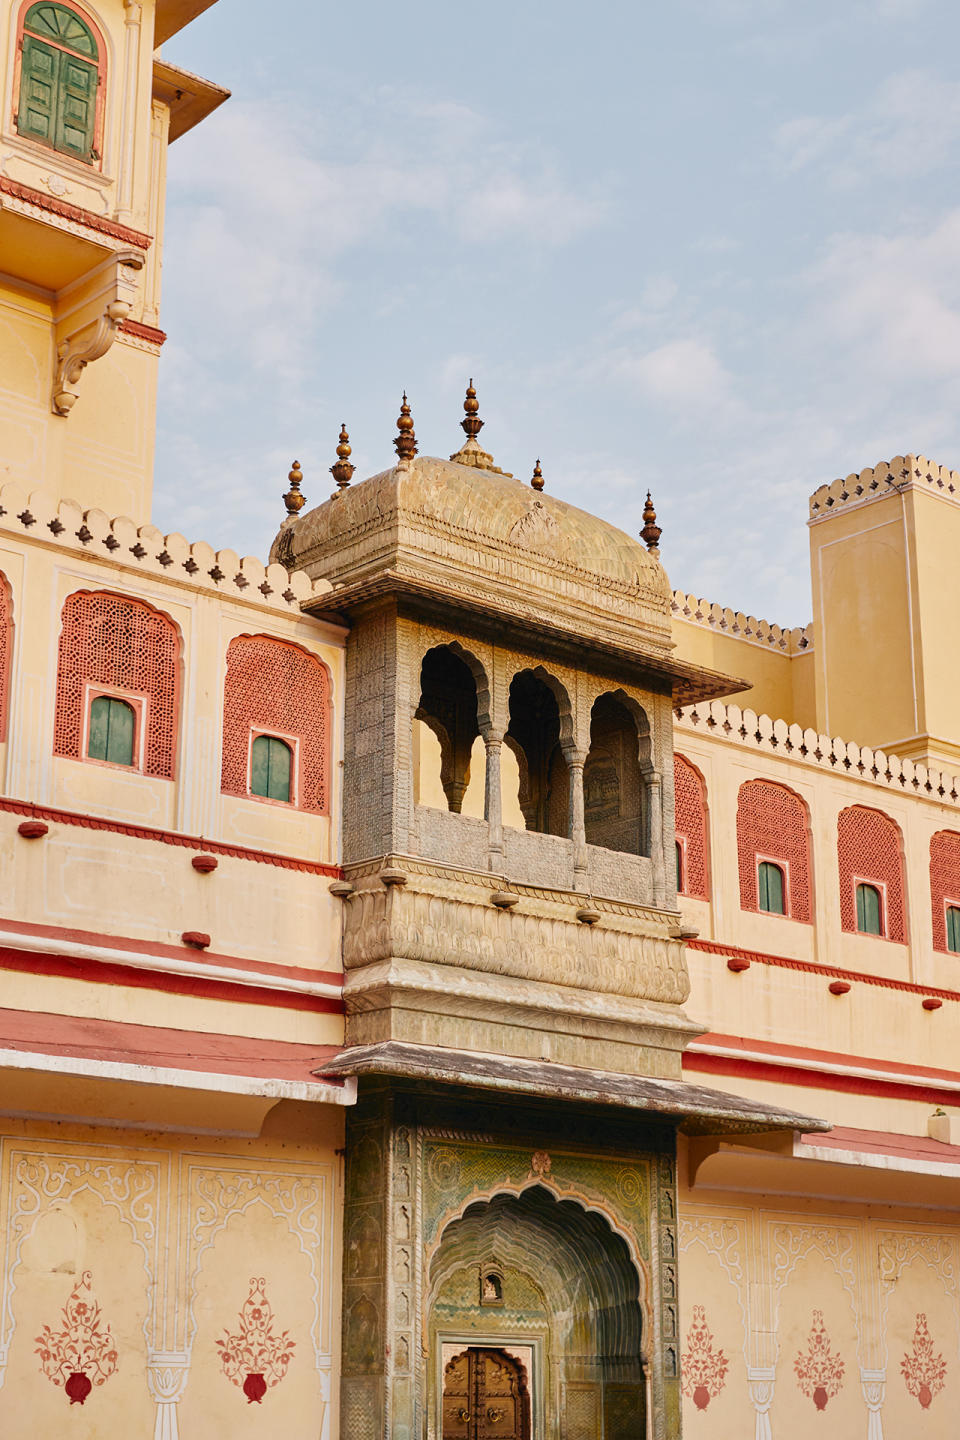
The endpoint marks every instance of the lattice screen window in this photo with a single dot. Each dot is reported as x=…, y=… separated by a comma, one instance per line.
x=772, y=827
x=944, y=887
x=275, y=688
x=116, y=643
x=691, y=828
x=869, y=850
x=6, y=650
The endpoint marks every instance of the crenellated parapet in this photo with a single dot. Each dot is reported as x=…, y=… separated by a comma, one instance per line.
x=144, y=549
x=844, y=757
x=722, y=620
x=903, y=472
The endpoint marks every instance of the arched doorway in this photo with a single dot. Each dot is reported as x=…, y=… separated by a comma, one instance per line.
x=485, y=1394
x=566, y=1291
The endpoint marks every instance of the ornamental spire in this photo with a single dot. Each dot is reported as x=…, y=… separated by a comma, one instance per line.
x=472, y=424
x=342, y=470
x=471, y=453
x=406, y=440
x=293, y=499
x=536, y=479
x=651, y=531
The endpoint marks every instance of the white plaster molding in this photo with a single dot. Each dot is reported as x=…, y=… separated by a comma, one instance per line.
x=760, y=1383
x=167, y=1374
x=168, y=965
x=873, y=1383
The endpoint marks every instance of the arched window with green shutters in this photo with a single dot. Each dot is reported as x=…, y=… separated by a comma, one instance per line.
x=271, y=767
x=112, y=728
x=869, y=910
x=770, y=888
x=953, y=929
x=60, y=72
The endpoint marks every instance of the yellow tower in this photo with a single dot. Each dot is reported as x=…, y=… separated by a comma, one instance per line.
x=89, y=109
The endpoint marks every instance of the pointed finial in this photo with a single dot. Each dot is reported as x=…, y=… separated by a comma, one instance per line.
x=651, y=531
x=536, y=479
x=293, y=500
x=472, y=424
x=405, y=441
x=342, y=471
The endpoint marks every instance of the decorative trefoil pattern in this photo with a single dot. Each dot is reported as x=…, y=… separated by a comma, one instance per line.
x=819, y=1371
x=703, y=1365
x=255, y=1358
x=83, y=1353
x=924, y=1373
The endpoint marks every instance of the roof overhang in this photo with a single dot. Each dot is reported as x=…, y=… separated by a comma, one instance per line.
x=189, y=97
x=173, y=15
x=693, y=1108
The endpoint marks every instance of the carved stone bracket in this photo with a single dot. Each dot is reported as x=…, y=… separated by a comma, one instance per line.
x=89, y=314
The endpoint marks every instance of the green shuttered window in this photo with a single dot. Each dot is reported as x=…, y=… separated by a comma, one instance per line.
x=112, y=726
x=953, y=929
x=271, y=764
x=869, y=910
x=770, y=888
x=59, y=77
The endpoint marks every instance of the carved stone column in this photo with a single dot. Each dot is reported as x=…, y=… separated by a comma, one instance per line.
x=167, y=1372
x=655, y=792
x=873, y=1383
x=760, y=1381
x=493, y=803
x=132, y=17
x=578, y=830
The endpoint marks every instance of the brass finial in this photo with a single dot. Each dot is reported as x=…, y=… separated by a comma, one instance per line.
x=406, y=440
x=536, y=479
x=651, y=531
x=293, y=500
x=472, y=424
x=342, y=471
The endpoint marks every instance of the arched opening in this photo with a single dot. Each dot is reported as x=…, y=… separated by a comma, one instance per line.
x=533, y=736
x=614, y=786
x=448, y=709
x=564, y=1275
x=271, y=766
x=112, y=730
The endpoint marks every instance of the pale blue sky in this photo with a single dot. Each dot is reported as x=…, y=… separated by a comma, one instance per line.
x=707, y=246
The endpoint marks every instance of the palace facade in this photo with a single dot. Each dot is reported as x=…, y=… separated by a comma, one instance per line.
x=452, y=984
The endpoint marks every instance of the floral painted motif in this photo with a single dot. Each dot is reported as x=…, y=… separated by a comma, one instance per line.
x=703, y=1366
x=819, y=1371
x=255, y=1358
x=83, y=1353
x=924, y=1373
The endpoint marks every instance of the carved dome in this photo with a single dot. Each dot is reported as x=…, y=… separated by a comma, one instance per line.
x=480, y=540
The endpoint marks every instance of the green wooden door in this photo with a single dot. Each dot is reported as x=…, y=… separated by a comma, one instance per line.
x=770, y=888
x=271, y=762
x=39, y=76
x=869, y=910
x=58, y=81
x=77, y=107
x=111, y=731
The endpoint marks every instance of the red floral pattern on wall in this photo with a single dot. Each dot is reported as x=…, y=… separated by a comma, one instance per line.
x=82, y=1354
x=121, y=644
x=772, y=825
x=255, y=1358
x=819, y=1371
x=944, y=881
x=279, y=688
x=868, y=848
x=703, y=1365
x=924, y=1373
x=691, y=826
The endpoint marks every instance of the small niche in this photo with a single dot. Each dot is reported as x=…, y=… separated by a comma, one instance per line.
x=491, y=1287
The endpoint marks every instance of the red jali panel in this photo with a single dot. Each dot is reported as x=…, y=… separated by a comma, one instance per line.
x=772, y=823
x=868, y=848
x=6, y=638
x=691, y=826
x=121, y=644
x=944, y=881
x=281, y=689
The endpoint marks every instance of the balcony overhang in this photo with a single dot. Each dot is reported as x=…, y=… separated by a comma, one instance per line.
x=188, y=97
x=173, y=15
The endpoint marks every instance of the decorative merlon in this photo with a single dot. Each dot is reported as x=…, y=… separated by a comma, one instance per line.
x=145, y=549
x=903, y=472
x=807, y=747
x=89, y=314
x=796, y=641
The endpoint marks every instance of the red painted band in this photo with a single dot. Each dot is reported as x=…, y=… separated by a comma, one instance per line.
x=170, y=837
x=74, y=212
x=744, y=1068
x=143, y=332
x=174, y=952
x=713, y=947
x=200, y=987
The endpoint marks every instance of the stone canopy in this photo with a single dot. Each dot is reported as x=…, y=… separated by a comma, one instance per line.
x=479, y=541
